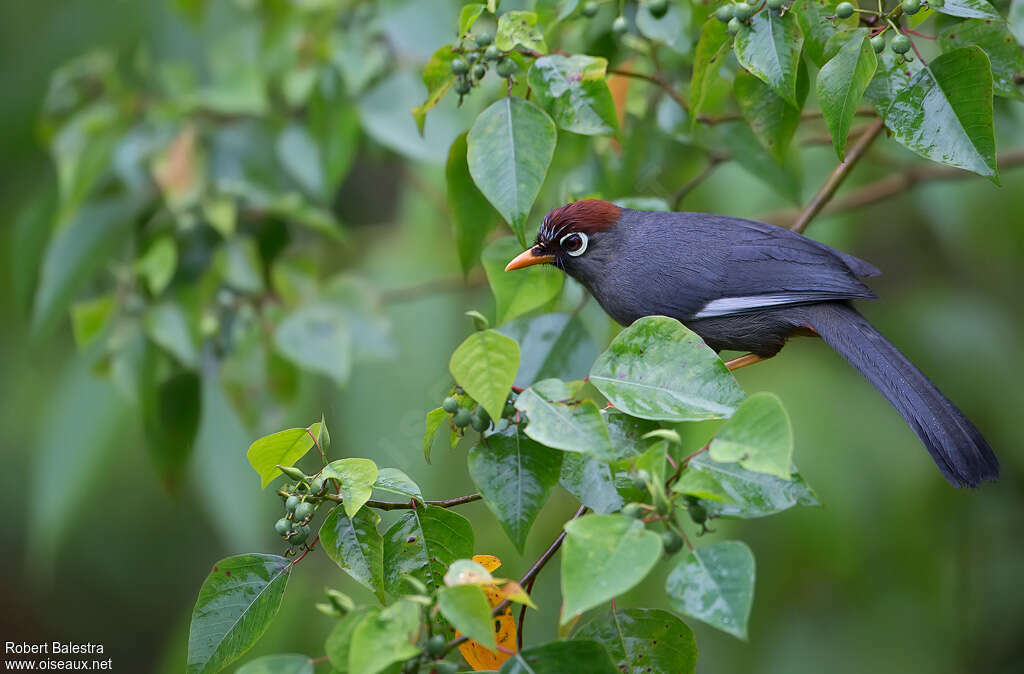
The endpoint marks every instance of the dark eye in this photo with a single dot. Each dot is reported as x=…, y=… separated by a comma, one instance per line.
x=574, y=244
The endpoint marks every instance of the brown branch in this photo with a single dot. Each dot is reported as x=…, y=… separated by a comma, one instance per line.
x=837, y=176
x=714, y=161
x=412, y=504
x=655, y=80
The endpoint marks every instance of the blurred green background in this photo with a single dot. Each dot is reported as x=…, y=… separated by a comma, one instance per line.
x=896, y=572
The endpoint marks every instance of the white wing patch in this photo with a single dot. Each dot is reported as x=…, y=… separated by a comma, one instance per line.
x=725, y=306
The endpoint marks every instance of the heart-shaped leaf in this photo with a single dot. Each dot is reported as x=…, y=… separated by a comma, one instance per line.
x=559, y=422
x=355, y=545
x=573, y=90
x=759, y=436
x=715, y=584
x=423, y=543
x=732, y=491
x=641, y=640
x=770, y=49
x=283, y=448
x=1000, y=45
x=356, y=477
x=485, y=366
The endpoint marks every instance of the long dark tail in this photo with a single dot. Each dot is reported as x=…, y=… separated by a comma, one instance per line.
x=956, y=446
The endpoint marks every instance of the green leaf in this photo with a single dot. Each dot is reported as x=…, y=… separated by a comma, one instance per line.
x=642, y=640
x=759, y=436
x=435, y=418
x=818, y=24
x=590, y=481
x=468, y=16
x=770, y=49
x=317, y=337
x=288, y=663
x=574, y=91
x=523, y=290
x=781, y=176
x=1002, y=49
x=334, y=125
x=841, y=84
x=712, y=49
x=773, y=120
x=158, y=264
x=891, y=78
x=969, y=9
x=167, y=325
x=658, y=369
x=627, y=433
x=466, y=608
x=357, y=477
x=602, y=557
x=439, y=79
x=381, y=639
x=300, y=157
x=90, y=317
x=519, y=29
x=170, y=419
x=339, y=641
x=484, y=365
x=423, y=543
x=557, y=421
x=559, y=657
x=282, y=448
x=515, y=475
x=396, y=482
x=552, y=345
x=509, y=150
x=355, y=545
x=673, y=28
x=945, y=114
x=736, y=492
x=236, y=604
x=473, y=218
x=715, y=584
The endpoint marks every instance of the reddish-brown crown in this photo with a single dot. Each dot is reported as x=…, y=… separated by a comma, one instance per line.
x=587, y=216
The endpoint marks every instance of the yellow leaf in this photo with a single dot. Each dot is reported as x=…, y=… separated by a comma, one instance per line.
x=478, y=657
x=489, y=562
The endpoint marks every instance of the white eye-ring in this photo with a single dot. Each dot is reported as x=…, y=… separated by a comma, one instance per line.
x=575, y=243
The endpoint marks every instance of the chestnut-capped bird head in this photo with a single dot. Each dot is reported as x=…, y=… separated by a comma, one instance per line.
x=578, y=238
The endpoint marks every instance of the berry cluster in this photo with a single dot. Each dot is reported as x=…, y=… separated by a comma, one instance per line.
x=465, y=412
x=661, y=510
x=737, y=15
x=300, y=503
x=471, y=65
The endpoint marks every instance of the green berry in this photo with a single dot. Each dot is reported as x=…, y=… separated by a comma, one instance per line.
x=734, y=26
x=481, y=423
x=316, y=486
x=878, y=44
x=619, y=25
x=472, y=57
x=775, y=4
x=672, y=542
x=435, y=645
x=634, y=510
x=743, y=11
x=459, y=67
x=844, y=10
x=725, y=13
x=507, y=67
x=462, y=418
x=450, y=405
x=444, y=667
x=900, y=44
x=483, y=39
x=698, y=513
x=657, y=8
x=282, y=526
x=291, y=503
x=911, y=6
x=304, y=511
x=590, y=9
x=492, y=53
x=462, y=86
x=479, y=70
x=299, y=535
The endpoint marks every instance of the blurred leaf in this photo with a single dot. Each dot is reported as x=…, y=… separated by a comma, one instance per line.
x=30, y=230
x=484, y=365
x=423, y=543
x=356, y=477
x=841, y=84
x=157, y=265
x=383, y=638
x=1015, y=19
x=770, y=49
x=283, y=448
x=715, y=584
x=590, y=481
x=178, y=171
x=170, y=418
x=558, y=657
x=473, y=218
x=466, y=608
x=603, y=556
x=167, y=325
x=519, y=29
x=297, y=85
x=711, y=52
x=783, y=177
x=235, y=606
x=945, y=113
x=239, y=262
x=468, y=571
x=395, y=481
x=818, y=22
x=317, y=337
x=758, y=435
x=300, y=157
x=641, y=640
x=555, y=420
x=520, y=291
x=891, y=78
x=773, y=120
x=1001, y=47
x=970, y=9
x=290, y=663
x=735, y=492
x=509, y=150
x=334, y=124
x=673, y=28
x=435, y=418
x=77, y=251
x=515, y=475
x=552, y=345
x=573, y=90
x=468, y=16
x=90, y=317
x=552, y=11
x=360, y=303
x=356, y=546
x=439, y=79
x=82, y=150
x=339, y=641
x=658, y=369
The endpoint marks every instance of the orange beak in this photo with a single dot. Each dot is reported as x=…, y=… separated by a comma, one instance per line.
x=528, y=258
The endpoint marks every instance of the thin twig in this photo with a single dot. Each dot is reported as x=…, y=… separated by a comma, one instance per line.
x=714, y=161
x=411, y=504
x=837, y=176
x=655, y=80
